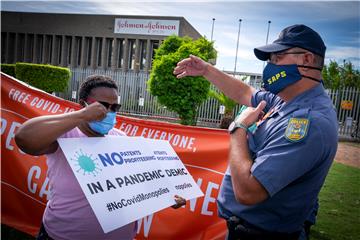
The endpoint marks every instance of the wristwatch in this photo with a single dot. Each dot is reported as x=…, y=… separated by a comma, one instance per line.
x=235, y=125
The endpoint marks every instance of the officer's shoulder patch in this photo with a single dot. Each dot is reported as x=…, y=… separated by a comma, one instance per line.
x=297, y=129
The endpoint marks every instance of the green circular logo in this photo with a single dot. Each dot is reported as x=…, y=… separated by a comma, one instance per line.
x=86, y=163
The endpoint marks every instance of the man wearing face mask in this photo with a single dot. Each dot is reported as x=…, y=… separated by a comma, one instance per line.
x=276, y=169
x=68, y=214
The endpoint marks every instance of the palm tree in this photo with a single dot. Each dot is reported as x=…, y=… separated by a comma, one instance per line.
x=229, y=107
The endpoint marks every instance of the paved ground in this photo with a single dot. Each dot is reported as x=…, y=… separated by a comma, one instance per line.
x=348, y=153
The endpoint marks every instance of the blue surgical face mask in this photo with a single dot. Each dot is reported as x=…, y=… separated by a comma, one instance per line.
x=105, y=125
x=278, y=77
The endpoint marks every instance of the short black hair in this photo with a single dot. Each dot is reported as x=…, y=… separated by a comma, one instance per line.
x=95, y=81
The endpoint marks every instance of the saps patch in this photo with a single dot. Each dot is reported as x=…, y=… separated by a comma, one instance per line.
x=297, y=129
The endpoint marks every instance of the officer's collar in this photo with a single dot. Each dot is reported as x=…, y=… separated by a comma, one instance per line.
x=301, y=99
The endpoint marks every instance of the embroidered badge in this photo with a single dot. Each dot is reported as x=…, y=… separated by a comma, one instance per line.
x=297, y=129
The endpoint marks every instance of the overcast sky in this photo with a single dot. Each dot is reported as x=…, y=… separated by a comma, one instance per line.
x=338, y=22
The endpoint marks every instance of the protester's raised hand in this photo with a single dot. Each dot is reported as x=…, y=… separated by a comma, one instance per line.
x=192, y=66
x=94, y=112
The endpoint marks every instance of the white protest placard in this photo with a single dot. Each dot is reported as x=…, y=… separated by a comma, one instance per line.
x=125, y=179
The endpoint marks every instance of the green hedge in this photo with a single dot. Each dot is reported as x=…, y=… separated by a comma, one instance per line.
x=9, y=69
x=46, y=77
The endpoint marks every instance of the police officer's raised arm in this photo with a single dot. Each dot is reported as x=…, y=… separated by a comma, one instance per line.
x=230, y=86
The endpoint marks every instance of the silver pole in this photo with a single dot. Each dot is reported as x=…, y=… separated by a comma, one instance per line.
x=212, y=29
x=268, y=30
x=237, y=46
x=267, y=38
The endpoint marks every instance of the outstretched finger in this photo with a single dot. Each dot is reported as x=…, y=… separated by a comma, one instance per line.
x=184, y=62
x=193, y=57
x=260, y=106
x=181, y=75
x=179, y=69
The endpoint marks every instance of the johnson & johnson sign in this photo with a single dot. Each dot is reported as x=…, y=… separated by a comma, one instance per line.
x=146, y=26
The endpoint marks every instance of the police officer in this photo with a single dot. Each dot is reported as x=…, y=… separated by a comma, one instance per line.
x=276, y=170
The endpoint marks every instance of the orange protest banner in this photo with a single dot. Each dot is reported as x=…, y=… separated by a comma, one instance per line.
x=24, y=184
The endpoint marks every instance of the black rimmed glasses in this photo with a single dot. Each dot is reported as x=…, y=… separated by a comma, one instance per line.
x=274, y=57
x=115, y=107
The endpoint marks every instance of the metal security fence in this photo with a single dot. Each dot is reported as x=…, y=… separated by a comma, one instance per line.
x=137, y=101
x=133, y=96
x=347, y=104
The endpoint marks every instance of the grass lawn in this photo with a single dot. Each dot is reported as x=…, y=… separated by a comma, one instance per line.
x=339, y=213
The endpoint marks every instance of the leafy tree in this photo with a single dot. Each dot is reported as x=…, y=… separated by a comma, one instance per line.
x=350, y=75
x=336, y=76
x=171, y=45
x=185, y=95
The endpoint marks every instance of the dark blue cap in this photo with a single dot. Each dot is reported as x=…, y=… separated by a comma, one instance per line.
x=294, y=36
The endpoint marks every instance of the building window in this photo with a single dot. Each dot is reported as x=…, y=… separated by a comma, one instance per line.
x=11, y=48
x=20, y=47
x=109, y=51
x=131, y=53
x=30, y=48
x=58, y=49
x=39, y=48
x=120, y=52
x=3, y=46
x=88, y=42
x=48, y=49
x=98, y=49
x=154, y=45
x=78, y=45
x=68, y=45
x=142, y=54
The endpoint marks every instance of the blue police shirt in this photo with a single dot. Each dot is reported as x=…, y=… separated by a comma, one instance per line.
x=292, y=151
